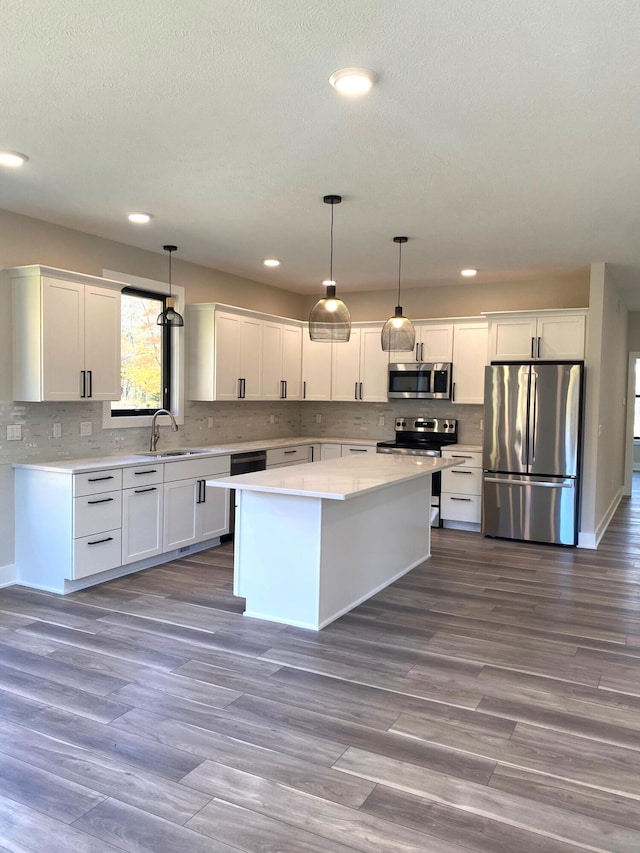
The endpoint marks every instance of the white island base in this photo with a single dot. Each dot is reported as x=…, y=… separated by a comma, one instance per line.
x=313, y=541
x=306, y=561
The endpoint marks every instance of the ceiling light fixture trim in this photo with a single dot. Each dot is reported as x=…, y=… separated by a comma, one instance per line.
x=170, y=317
x=353, y=81
x=330, y=320
x=271, y=262
x=398, y=333
x=139, y=218
x=12, y=159
x=469, y=273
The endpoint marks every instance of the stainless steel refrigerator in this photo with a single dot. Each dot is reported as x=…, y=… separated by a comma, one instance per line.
x=532, y=448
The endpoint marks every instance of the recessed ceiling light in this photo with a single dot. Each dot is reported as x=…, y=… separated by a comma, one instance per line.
x=139, y=218
x=468, y=273
x=12, y=159
x=352, y=81
x=271, y=262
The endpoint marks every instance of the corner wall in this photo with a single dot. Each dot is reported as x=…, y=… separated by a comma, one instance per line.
x=603, y=474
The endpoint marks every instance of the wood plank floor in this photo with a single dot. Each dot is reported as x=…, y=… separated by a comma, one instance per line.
x=487, y=702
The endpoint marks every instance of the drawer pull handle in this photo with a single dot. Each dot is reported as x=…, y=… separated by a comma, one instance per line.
x=455, y=471
x=100, y=541
x=102, y=501
x=462, y=499
x=99, y=479
x=288, y=452
x=459, y=456
x=149, y=471
x=357, y=450
x=142, y=491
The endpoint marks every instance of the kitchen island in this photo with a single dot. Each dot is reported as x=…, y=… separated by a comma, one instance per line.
x=315, y=540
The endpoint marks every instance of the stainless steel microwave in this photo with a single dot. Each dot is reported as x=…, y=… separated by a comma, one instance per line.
x=422, y=381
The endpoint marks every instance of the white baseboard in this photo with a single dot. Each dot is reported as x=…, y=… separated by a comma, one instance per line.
x=591, y=539
x=8, y=575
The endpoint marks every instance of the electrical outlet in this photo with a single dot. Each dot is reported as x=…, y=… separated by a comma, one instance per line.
x=209, y=423
x=481, y=424
x=14, y=432
x=272, y=419
x=380, y=420
x=318, y=419
x=86, y=428
x=57, y=430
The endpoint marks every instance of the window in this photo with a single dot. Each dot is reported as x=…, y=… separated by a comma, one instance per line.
x=146, y=356
x=173, y=356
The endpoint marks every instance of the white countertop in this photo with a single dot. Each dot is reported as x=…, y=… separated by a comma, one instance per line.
x=336, y=479
x=99, y=463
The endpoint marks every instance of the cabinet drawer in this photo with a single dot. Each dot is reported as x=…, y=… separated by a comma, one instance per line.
x=94, y=513
x=200, y=469
x=282, y=455
x=97, y=553
x=94, y=482
x=142, y=475
x=462, y=481
x=460, y=507
x=468, y=458
x=358, y=449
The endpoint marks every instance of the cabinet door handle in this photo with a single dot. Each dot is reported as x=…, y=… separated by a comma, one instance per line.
x=361, y=390
x=304, y=390
x=417, y=352
x=83, y=383
x=286, y=390
x=355, y=391
x=199, y=491
x=143, y=473
x=532, y=347
x=421, y=352
x=468, y=500
x=99, y=479
x=142, y=491
x=100, y=541
x=204, y=491
x=101, y=501
x=453, y=393
x=539, y=347
x=90, y=377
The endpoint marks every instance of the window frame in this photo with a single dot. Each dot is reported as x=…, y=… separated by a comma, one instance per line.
x=176, y=359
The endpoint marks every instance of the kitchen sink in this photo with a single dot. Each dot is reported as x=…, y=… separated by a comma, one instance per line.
x=157, y=454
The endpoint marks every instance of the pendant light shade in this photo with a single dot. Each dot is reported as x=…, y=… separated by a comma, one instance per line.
x=398, y=332
x=329, y=319
x=170, y=317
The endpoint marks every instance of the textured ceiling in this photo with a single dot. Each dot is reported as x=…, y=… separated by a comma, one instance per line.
x=501, y=135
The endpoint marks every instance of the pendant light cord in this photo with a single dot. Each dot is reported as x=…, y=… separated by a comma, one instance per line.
x=399, y=269
x=170, y=253
x=331, y=249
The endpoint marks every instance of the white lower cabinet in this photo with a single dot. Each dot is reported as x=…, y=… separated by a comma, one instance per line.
x=192, y=512
x=357, y=449
x=330, y=451
x=73, y=526
x=461, y=498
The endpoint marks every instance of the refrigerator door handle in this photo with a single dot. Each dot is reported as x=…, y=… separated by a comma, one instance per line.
x=534, y=413
x=537, y=483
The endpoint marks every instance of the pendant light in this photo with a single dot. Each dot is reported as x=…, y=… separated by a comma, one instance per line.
x=170, y=317
x=398, y=332
x=329, y=319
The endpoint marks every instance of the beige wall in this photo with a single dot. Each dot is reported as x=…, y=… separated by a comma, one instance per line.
x=605, y=406
x=634, y=331
x=466, y=300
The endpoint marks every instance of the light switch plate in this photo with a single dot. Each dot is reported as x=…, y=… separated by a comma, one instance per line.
x=209, y=423
x=57, y=430
x=85, y=428
x=14, y=432
x=380, y=420
x=318, y=419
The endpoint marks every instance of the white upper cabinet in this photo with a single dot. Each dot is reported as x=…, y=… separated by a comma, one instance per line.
x=224, y=353
x=316, y=368
x=434, y=343
x=469, y=360
x=281, y=361
x=360, y=367
x=553, y=335
x=66, y=343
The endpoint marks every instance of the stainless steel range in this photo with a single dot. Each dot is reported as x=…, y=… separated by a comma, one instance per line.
x=423, y=437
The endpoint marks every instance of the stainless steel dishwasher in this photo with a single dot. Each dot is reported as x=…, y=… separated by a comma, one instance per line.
x=242, y=463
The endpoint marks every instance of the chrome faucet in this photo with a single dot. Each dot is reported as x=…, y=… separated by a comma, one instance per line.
x=155, y=429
